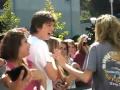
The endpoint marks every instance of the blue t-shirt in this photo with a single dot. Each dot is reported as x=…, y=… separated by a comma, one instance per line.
x=105, y=77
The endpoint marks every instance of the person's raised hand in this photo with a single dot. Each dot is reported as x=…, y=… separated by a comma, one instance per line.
x=59, y=57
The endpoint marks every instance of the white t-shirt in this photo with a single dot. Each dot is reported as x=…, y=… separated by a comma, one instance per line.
x=39, y=55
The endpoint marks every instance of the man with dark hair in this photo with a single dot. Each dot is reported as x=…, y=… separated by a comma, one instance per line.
x=42, y=26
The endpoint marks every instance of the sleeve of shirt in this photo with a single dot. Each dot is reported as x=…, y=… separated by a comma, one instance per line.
x=39, y=55
x=92, y=59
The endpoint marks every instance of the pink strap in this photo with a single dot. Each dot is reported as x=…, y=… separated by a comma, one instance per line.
x=10, y=66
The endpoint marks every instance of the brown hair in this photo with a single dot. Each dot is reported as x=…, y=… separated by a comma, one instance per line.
x=11, y=44
x=39, y=18
x=53, y=43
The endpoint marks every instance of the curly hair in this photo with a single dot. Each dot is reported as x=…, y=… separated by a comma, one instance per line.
x=107, y=28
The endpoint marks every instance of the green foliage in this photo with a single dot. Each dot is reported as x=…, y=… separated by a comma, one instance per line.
x=59, y=26
x=85, y=10
x=8, y=20
x=85, y=15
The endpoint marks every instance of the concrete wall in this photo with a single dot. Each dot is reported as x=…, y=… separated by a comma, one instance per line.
x=24, y=9
x=69, y=8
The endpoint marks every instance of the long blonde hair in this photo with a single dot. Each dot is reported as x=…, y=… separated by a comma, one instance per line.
x=53, y=43
x=107, y=28
x=81, y=40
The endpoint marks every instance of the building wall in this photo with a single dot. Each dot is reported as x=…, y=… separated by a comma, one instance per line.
x=69, y=8
x=24, y=9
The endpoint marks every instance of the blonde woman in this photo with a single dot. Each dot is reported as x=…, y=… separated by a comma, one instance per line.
x=79, y=58
x=64, y=79
x=103, y=62
x=82, y=51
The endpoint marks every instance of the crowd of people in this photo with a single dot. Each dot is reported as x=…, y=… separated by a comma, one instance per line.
x=35, y=60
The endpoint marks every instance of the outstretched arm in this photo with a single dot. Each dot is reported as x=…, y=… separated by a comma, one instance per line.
x=83, y=76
